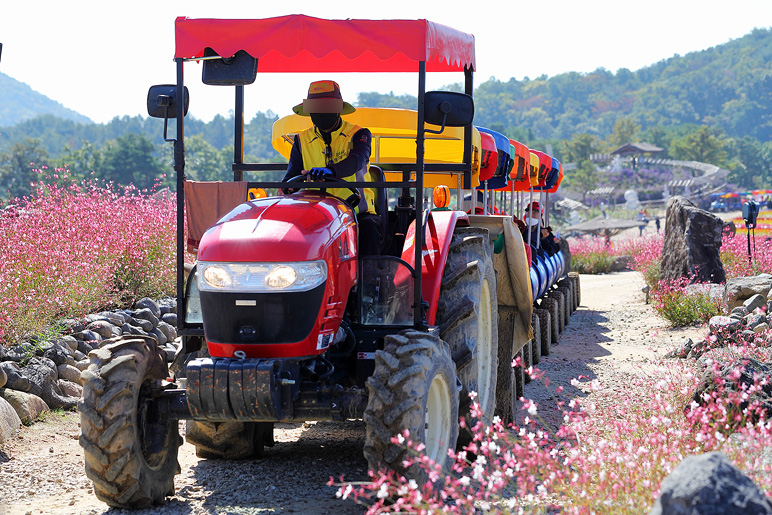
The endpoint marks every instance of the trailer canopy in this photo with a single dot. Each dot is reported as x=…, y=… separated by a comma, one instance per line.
x=299, y=43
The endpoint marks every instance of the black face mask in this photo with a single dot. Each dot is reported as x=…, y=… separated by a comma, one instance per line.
x=325, y=121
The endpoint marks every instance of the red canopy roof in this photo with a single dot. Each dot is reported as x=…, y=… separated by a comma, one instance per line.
x=299, y=43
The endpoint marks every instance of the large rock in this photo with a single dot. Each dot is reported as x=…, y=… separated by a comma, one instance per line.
x=69, y=373
x=150, y=304
x=710, y=485
x=692, y=243
x=43, y=383
x=9, y=421
x=3, y=377
x=27, y=406
x=15, y=379
x=740, y=289
x=70, y=389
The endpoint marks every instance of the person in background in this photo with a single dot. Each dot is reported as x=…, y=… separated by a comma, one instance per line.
x=538, y=231
x=333, y=147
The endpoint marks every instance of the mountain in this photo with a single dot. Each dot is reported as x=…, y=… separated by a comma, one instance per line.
x=19, y=102
x=728, y=86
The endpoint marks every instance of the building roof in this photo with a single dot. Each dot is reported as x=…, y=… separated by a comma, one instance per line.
x=636, y=148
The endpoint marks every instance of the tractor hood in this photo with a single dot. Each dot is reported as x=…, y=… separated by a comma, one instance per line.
x=277, y=229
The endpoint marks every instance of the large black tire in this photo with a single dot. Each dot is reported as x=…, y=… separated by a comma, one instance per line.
x=567, y=301
x=126, y=474
x=568, y=286
x=506, y=394
x=519, y=379
x=546, y=332
x=552, y=306
x=467, y=314
x=527, y=350
x=229, y=440
x=412, y=388
x=536, y=340
x=577, y=287
x=560, y=300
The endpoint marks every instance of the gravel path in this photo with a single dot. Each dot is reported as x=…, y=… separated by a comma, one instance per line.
x=41, y=470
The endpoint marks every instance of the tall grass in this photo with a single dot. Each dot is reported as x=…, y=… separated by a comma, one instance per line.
x=69, y=249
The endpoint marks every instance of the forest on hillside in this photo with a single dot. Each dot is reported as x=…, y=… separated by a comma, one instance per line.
x=713, y=106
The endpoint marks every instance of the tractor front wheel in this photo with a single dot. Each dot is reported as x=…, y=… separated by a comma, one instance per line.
x=130, y=449
x=413, y=389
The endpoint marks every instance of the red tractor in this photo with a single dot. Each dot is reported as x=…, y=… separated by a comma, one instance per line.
x=281, y=319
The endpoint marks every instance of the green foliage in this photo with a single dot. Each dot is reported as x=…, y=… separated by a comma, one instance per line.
x=18, y=165
x=685, y=307
x=705, y=145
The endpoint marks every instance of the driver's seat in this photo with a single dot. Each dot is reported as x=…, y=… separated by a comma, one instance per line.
x=375, y=174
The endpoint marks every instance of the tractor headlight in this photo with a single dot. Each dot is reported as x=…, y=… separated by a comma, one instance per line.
x=261, y=277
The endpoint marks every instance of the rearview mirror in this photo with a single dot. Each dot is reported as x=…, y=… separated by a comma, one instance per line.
x=448, y=109
x=162, y=101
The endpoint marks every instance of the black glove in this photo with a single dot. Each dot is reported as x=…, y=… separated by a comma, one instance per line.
x=318, y=174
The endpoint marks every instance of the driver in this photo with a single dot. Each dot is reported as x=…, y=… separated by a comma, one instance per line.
x=334, y=147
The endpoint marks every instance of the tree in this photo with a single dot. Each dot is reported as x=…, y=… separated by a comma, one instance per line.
x=84, y=162
x=18, y=167
x=203, y=162
x=578, y=150
x=626, y=130
x=130, y=159
x=705, y=145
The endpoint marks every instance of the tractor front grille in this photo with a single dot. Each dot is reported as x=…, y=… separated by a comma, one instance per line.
x=260, y=318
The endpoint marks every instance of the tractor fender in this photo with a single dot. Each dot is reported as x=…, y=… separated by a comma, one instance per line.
x=439, y=231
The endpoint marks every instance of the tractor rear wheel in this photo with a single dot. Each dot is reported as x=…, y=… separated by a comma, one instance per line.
x=413, y=388
x=546, y=333
x=130, y=467
x=467, y=314
x=229, y=440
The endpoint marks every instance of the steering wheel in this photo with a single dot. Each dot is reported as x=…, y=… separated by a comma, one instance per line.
x=352, y=200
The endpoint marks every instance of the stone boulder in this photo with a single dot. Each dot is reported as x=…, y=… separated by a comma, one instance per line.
x=732, y=381
x=3, y=377
x=69, y=373
x=149, y=304
x=740, y=289
x=709, y=484
x=70, y=389
x=693, y=241
x=9, y=421
x=43, y=383
x=27, y=406
x=14, y=377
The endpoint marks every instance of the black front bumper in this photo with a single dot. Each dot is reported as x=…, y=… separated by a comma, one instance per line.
x=259, y=390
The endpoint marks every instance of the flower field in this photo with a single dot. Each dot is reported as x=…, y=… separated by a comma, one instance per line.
x=69, y=250
x=609, y=456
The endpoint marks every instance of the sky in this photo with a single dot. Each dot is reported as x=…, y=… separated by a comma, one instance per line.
x=99, y=57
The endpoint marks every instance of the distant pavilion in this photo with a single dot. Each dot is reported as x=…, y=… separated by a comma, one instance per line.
x=636, y=151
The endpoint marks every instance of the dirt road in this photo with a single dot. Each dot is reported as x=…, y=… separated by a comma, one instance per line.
x=41, y=471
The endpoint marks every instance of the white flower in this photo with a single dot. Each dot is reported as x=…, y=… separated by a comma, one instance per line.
x=532, y=409
x=383, y=491
x=464, y=481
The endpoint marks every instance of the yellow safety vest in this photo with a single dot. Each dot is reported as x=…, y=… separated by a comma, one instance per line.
x=312, y=148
